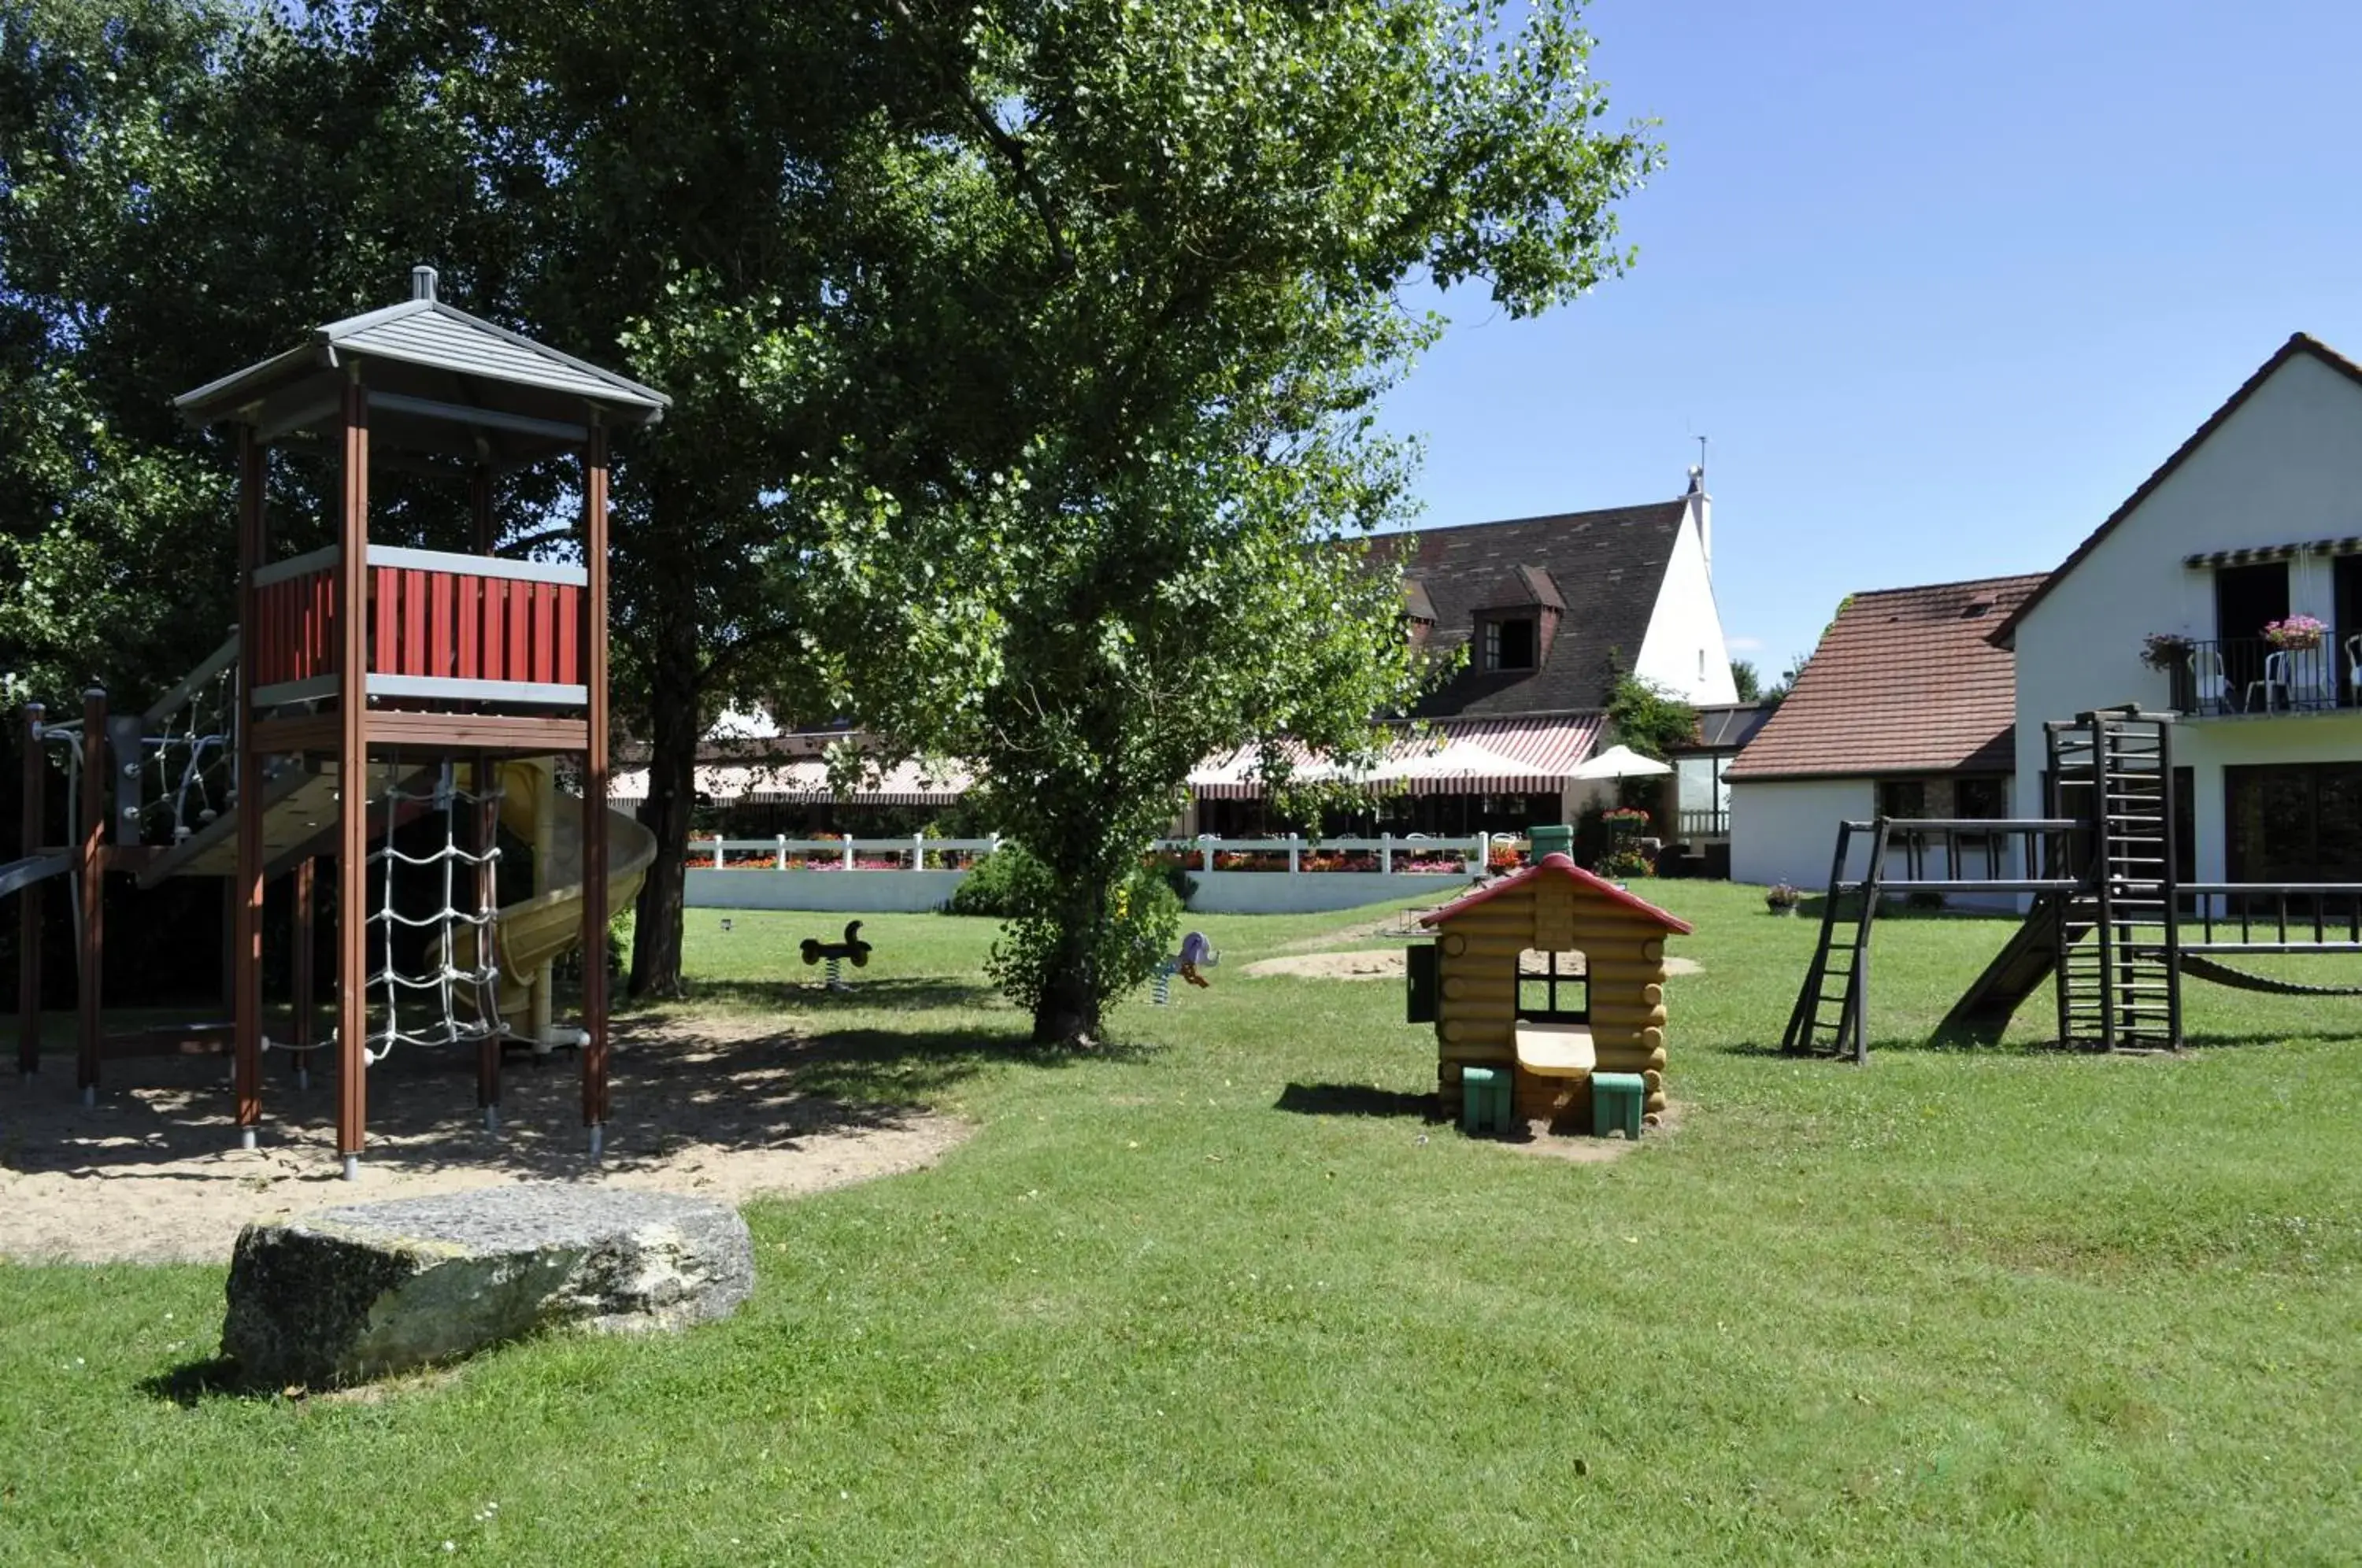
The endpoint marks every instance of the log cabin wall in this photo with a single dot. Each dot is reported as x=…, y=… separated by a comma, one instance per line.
x=1476, y=1013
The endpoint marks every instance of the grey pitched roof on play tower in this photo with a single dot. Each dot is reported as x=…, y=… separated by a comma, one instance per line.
x=424, y=352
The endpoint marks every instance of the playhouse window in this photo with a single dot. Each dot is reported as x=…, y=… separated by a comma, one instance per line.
x=1553, y=987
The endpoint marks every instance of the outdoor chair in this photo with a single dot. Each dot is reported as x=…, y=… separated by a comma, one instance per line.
x=2276, y=679
x=2209, y=684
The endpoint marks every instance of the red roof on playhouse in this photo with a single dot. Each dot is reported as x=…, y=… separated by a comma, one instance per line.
x=1559, y=866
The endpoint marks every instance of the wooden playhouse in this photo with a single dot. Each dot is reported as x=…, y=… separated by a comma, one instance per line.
x=1550, y=975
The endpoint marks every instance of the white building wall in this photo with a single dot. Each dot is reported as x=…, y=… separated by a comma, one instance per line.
x=1683, y=651
x=2286, y=467
x=1785, y=829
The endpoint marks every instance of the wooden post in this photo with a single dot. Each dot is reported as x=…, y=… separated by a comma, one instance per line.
x=229, y=947
x=28, y=903
x=484, y=776
x=91, y=871
x=543, y=1020
x=306, y=948
x=594, y=787
x=245, y=892
x=352, y=780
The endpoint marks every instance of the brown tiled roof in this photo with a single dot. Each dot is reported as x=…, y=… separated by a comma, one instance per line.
x=1602, y=569
x=1905, y=681
x=2298, y=343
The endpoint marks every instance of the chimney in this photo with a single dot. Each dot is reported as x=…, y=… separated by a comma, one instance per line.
x=422, y=282
x=1702, y=507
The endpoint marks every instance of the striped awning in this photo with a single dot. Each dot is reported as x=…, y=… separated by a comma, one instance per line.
x=804, y=781
x=2257, y=555
x=1457, y=757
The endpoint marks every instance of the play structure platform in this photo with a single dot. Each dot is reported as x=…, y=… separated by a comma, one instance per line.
x=2110, y=915
x=385, y=710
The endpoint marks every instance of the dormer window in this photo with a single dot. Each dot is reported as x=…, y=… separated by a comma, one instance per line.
x=1512, y=643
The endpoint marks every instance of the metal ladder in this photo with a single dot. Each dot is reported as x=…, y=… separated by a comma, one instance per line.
x=1827, y=1017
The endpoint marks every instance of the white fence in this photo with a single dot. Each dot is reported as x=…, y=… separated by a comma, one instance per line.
x=1233, y=875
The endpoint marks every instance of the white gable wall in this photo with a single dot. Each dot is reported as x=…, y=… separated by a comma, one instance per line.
x=2287, y=466
x=1683, y=651
x=1784, y=829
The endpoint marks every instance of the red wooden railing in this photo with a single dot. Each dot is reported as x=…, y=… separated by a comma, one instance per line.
x=426, y=622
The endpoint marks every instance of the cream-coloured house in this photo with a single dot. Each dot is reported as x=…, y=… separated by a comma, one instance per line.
x=2255, y=520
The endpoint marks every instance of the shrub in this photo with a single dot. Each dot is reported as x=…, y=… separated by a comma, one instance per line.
x=1174, y=869
x=992, y=883
x=1144, y=931
x=1782, y=896
x=1502, y=856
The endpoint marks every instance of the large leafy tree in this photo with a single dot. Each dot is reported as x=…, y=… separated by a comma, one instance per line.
x=184, y=183
x=183, y=186
x=682, y=176
x=1155, y=269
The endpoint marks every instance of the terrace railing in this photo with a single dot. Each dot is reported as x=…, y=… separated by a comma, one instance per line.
x=1386, y=855
x=916, y=852
x=1705, y=822
x=2226, y=677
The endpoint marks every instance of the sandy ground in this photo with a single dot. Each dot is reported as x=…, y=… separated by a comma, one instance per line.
x=154, y=1174
x=1378, y=964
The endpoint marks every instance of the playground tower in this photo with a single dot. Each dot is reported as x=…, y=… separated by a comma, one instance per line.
x=368, y=685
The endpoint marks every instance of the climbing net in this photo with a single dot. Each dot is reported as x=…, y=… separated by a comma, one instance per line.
x=190, y=741
x=184, y=773
x=426, y=1010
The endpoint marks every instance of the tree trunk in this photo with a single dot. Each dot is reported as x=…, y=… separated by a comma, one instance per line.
x=1068, y=1011
x=675, y=687
x=657, y=918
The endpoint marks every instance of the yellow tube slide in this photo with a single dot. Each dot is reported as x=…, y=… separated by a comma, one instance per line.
x=535, y=931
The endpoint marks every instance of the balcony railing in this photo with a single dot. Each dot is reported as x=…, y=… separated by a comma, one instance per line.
x=2241, y=676
x=1705, y=822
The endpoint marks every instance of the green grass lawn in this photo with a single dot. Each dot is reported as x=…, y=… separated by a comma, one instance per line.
x=1219, y=1293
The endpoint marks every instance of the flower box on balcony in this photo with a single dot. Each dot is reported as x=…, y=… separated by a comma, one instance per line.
x=2298, y=633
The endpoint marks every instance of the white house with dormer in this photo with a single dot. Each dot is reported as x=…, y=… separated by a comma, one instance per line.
x=2228, y=589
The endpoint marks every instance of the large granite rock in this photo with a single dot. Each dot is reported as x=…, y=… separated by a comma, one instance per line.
x=344, y=1295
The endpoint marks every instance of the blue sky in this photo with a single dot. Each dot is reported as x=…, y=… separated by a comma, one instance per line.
x=1942, y=283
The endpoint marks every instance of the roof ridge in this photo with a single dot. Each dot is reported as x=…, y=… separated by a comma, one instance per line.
x=1955, y=582
x=1542, y=518
x=2298, y=343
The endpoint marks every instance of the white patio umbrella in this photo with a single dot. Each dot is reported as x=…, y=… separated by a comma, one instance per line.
x=1621, y=762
